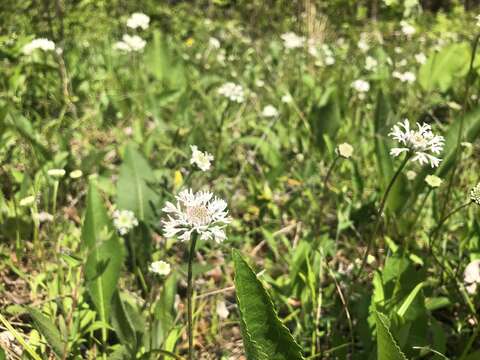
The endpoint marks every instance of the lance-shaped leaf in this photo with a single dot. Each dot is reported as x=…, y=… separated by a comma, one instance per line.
x=48, y=329
x=264, y=335
x=387, y=347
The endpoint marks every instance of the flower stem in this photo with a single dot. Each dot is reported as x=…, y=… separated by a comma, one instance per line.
x=329, y=172
x=380, y=212
x=191, y=255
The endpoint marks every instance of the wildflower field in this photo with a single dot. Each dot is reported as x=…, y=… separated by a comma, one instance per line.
x=240, y=179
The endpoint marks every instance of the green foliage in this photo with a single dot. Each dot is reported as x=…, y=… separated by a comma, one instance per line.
x=49, y=330
x=387, y=347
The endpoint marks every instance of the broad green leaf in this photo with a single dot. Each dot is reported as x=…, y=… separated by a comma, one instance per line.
x=105, y=254
x=442, y=67
x=122, y=323
x=164, y=313
x=133, y=192
x=264, y=335
x=387, y=347
x=48, y=330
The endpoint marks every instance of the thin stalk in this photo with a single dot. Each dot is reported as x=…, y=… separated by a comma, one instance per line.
x=380, y=212
x=436, y=231
x=329, y=172
x=191, y=256
x=55, y=192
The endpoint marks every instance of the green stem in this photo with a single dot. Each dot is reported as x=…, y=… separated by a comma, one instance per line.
x=55, y=192
x=191, y=255
x=380, y=212
x=329, y=172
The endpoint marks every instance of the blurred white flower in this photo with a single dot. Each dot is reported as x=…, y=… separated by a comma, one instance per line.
x=345, y=150
x=471, y=276
x=407, y=29
x=160, y=268
x=130, y=43
x=329, y=60
x=292, y=40
x=75, y=174
x=199, y=212
x=138, y=20
x=56, y=173
x=478, y=20
x=124, y=221
x=214, y=43
x=201, y=159
x=370, y=63
x=408, y=76
x=361, y=86
x=232, y=91
x=475, y=194
x=287, y=98
x=269, y=111
x=420, y=58
x=363, y=43
x=222, y=310
x=433, y=181
x=419, y=142
x=259, y=83
x=411, y=175
x=44, y=217
x=41, y=44
x=27, y=201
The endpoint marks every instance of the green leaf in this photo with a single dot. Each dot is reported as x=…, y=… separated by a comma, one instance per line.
x=387, y=347
x=409, y=300
x=264, y=335
x=105, y=254
x=48, y=330
x=133, y=193
x=164, y=314
x=442, y=67
x=122, y=323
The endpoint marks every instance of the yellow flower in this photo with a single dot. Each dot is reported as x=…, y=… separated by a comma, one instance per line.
x=189, y=42
x=345, y=150
x=433, y=181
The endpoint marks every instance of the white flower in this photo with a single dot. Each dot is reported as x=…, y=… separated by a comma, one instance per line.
x=474, y=194
x=292, y=40
x=201, y=159
x=75, y=174
x=407, y=76
x=138, y=20
x=420, y=58
x=407, y=29
x=130, y=43
x=471, y=276
x=345, y=150
x=42, y=44
x=29, y=200
x=124, y=221
x=222, y=310
x=433, y=181
x=269, y=111
x=160, y=268
x=363, y=43
x=56, y=173
x=199, y=212
x=214, y=43
x=44, y=217
x=287, y=98
x=329, y=60
x=361, y=86
x=411, y=174
x=419, y=142
x=478, y=20
x=232, y=91
x=370, y=63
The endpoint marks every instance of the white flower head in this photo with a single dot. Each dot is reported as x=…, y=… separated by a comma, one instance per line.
x=471, y=276
x=422, y=143
x=411, y=175
x=201, y=159
x=269, y=111
x=130, y=43
x=408, y=76
x=292, y=40
x=160, y=268
x=363, y=44
x=287, y=98
x=124, y=221
x=345, y=150
x=41, y=44
x=433, y=181
x=198, y=212
x=56, y=173
x=475, y=194
x=75, y=174
x=232, y=91
x=420, y=58
x=221, y=310
x=214, y=43
x=407, y=29
x=478, y=20
x=138, y=20
x=370, y=63
x=361, y=86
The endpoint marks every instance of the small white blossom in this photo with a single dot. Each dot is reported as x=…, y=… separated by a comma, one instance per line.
x=287, y=98
x=407, y=29
x=420, y=58
x=363, y=43
x=42, y=44
x=138, y=20
x=160, y=268
x=198, y=212
x=214, y=43
x=292, y=40
x=269, y=111
x=124, y=221
x=130, y=43
x=407, y=76
x=411, y=175
x=361, y=86
x=370, y=63
x=44, y=217
x=471, y=276
x=345, y=150
x=478, y=20
x=419, y=142
x=75, y=174
x=475, y=194
x=433, y=181
x=56, y=173
x=201, y=159
x=222, y=310
x=232, y=91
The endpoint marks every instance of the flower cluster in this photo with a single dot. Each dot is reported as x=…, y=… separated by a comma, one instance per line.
x=201, y=159
x=232, y=91
x=130, y=43
x=269, y=111
x=138, y=20
x=292, y=40
x=198, y=212
x=407, y=76
x=475, y=194
x=124, y=221
x=160, y=268
x=421, y=142
x=41, y=44
x=407, y=29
